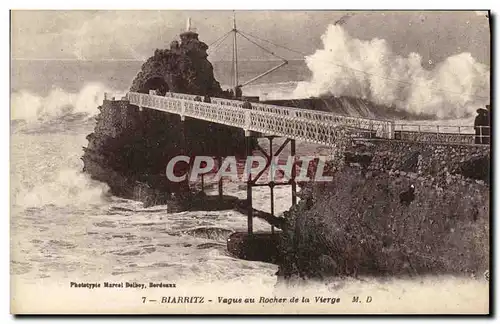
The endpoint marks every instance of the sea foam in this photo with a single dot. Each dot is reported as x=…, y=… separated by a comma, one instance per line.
x=369, y=69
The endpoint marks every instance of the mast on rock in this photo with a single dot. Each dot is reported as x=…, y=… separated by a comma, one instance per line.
x=234, y=67
x=237, y=88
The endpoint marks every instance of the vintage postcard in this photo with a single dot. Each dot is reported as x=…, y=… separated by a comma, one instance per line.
x=250, y=162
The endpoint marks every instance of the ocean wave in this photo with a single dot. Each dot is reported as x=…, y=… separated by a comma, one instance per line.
x=69, y=188
x=211, y=233
x=58, y=104
x=370, y=70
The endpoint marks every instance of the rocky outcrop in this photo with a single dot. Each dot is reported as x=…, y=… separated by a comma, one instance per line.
x=183, y=68
x=129, y=149
x=357, y=224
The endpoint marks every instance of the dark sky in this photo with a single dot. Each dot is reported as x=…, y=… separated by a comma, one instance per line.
x=135, y=34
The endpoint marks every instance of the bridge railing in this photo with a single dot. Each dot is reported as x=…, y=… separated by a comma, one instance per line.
x=443, y=133
x=283, y=122
x=316, y=126
x=380, y=127
x=372, y=127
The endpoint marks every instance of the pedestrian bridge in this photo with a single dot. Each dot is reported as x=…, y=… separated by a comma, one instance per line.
x=258, y=119
x=299, y=124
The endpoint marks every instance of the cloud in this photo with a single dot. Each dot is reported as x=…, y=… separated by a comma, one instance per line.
x=133, y=34
x=93, y=35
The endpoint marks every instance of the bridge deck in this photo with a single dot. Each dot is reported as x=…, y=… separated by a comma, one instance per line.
x=301, y=124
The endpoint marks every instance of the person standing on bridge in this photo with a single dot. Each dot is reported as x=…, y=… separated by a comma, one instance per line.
x=237, y=92
x=247, y=105
x=482, y=126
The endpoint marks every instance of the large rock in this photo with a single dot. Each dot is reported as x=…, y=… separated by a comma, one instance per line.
x=357, y=226
x=130, y=149
x=183, y=68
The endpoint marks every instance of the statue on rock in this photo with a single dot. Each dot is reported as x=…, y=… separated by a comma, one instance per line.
x=130, y=148
x=183, y=68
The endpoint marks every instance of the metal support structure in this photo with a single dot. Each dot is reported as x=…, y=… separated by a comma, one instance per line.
x=270, y=156
x=235, y=51
x=219, y=185
x=271, y=184
x=202, y=183
x=264, y=73
x=294, y=173
x=248, y=142
x=183, y=151
x=182, y=137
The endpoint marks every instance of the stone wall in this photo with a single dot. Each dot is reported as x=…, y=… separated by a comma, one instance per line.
x=434, y=137
x=426, y=160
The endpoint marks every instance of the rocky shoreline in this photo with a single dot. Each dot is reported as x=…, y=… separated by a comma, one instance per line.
x=358, y=225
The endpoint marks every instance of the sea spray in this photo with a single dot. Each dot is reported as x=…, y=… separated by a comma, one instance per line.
x=68, y=188
x=347, y=66
x=58, y=103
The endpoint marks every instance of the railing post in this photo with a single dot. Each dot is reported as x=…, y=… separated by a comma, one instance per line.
x=141, y=102
x=248, y=119
x=183, y=109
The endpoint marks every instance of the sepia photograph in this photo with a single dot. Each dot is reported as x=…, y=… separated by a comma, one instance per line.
x=250, y=162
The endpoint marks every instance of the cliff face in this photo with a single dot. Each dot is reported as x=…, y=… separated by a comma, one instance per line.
x=365, y=222
x=130, y=149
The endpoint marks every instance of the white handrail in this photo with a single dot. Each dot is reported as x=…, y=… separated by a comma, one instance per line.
x=290, y=122
x=303, y=124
